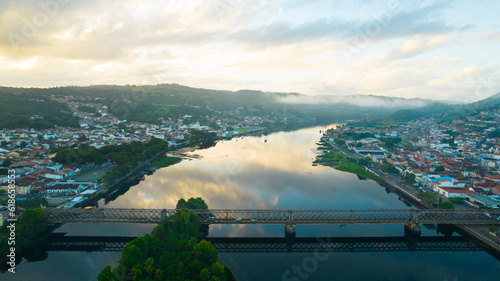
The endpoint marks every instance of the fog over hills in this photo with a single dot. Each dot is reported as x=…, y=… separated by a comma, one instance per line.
x=360, y=100
x=148, y=103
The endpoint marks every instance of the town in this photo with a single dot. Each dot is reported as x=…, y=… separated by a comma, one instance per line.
x=30, y=152
x=459, y=160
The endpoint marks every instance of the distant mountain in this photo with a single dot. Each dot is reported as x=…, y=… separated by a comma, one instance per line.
x=462, y=111
x=148, y=103
x=27, y=108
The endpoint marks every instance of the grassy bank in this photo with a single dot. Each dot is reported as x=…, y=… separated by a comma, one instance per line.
x=357, y=169
x=161, y=162
x=340, y=161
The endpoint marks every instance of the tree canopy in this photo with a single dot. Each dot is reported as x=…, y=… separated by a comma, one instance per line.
x=30, y=224
x=174, y=251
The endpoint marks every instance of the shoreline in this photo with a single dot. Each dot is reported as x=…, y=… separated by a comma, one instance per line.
x=145, y=168
x=484, y=242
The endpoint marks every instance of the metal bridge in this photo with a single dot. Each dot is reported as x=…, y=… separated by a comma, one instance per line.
x=287, y=217
x=60, y=242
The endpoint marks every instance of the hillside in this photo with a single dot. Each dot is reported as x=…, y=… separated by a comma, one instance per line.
x=149, y=103
x=462, y=111
x=24, y=108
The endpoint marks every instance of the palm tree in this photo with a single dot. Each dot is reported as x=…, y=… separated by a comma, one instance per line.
x=135, y=272
x=149, y=266
x=159, y=274
x=205, y=275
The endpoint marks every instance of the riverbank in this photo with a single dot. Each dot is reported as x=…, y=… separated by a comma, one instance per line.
x=343, y=162
x=477, y=234
x=27, y=251
x=150, y=166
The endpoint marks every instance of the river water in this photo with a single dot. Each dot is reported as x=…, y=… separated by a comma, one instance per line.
x=268, y=172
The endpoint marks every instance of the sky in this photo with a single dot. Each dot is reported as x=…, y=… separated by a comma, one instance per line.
x=442, y=50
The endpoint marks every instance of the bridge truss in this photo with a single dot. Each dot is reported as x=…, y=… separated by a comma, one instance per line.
x=289, y=217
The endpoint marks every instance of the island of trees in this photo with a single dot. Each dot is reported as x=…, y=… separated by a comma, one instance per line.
x=174, y=251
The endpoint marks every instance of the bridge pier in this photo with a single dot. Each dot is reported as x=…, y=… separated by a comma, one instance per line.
x=413, y=229
x=163, y=215
x=290, y=230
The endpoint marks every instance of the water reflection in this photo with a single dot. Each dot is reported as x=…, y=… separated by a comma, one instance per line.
x=252, y=173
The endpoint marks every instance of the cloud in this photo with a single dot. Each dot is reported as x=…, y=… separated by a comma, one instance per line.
x=404, y=50
x=418, y=44
x=455, y=76
x=358, y=100
x=387, y=24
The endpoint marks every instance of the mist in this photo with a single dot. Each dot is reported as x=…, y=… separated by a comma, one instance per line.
x=357, y=100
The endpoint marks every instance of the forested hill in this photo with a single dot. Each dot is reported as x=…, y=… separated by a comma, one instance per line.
x=27, y=108
x=149, y=103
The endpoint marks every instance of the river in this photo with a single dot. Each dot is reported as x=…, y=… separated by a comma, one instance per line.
x=268, y=172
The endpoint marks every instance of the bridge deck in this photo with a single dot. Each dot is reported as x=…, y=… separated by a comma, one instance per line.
x=291, y=217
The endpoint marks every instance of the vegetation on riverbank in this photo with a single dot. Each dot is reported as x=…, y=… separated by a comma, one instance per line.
x=340, y=161
x=165, y=161
x=29, y=225
x=126, y=157
x=175, y=250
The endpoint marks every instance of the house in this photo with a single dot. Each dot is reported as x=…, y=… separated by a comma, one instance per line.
x=53, y=176
x=495, y=178
x=56, y=167
x=21, y=188
x=482, y=200
x=13, y=154
x=454, y=192
x=64, y=188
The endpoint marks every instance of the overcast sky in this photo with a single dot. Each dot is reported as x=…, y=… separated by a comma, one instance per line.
x=447, y=50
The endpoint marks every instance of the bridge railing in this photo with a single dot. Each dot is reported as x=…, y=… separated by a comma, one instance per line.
x=242, y=216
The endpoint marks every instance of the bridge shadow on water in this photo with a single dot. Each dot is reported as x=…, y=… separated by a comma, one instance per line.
x=59, y=242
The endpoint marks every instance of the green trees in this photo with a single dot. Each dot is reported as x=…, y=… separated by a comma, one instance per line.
x=408, y=178
x=6, y=163
x=33, y=202
x=365, y=161
x=106, y=274
x=439, y=169
x=16, y=110
x=88, y=109
x=339, y=141
x=197, y=135
x=30, y=224
x=429, y=198
x=125, y=156
x=388, y=168
x=494, y=134
x=174, y=251
x=192, y=203
x=446, y=205
x=117, y=173
x=84, y=154
x=165, y=161
x=119, y=154
x=391, y=142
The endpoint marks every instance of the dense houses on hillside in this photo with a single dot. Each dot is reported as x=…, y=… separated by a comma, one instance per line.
x=457, y=159
x=28, y=151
